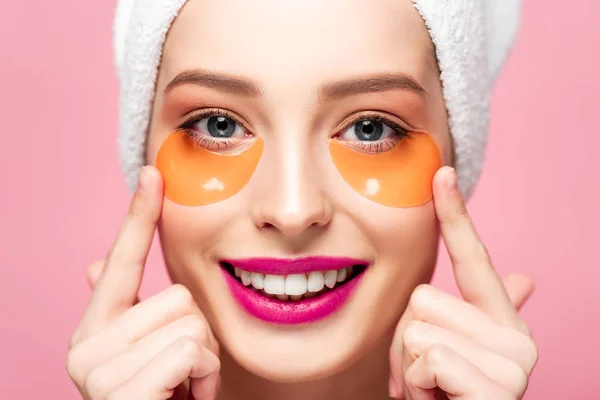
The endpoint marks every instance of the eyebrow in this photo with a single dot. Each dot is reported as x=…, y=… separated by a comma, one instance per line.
x=327, y=92
x=369, y=84
x=222, y=82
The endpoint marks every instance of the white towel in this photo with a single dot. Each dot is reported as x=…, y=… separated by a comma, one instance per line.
x=472, y=39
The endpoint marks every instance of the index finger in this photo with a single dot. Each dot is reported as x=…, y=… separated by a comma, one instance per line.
x=121, y=278
x=475, y=275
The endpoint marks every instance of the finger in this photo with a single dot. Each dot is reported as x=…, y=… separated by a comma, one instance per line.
x=124, y=365
x=93, y=274
x=205, y=388
x=431, y=305
x=94, y=271
x=476, y=278
x=441, y=367
x=139, y=321
x=519, y=288
x=418, y=337
x=182, y=359
x=120, y=280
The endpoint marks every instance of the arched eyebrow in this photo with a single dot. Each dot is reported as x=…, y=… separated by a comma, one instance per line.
x=327, y=92
x=369, y=84
x=214, y=80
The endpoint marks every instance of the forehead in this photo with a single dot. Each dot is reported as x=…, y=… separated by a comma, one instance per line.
x=309, y=40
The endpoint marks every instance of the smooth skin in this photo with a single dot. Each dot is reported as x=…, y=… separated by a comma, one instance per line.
x=163, y=348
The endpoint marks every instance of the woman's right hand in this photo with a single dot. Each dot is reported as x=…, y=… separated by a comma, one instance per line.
x=124, y=349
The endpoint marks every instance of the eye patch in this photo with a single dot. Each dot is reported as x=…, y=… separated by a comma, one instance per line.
x=195, y=176
x=401, y=177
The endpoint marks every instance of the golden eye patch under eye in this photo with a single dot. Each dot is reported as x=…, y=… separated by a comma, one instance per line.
x=195, y=176
x=400, y=177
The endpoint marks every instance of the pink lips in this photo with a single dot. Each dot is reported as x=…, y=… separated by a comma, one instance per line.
x=292, y=312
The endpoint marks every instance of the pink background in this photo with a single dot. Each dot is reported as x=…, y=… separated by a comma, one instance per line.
x=62, y=196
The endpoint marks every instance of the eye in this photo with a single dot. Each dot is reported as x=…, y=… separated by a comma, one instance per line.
x=215, y=130
x=368, y=130
x=217, y=126
x=374, y=134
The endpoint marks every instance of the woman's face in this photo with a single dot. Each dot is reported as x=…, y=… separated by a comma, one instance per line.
x=296, y=203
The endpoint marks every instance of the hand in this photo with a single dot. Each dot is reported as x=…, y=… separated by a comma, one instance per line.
x=478, y=348
x=126, y=349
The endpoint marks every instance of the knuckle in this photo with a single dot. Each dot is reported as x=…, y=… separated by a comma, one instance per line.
x=421, y=298
x=73, y=366
x=189, y=346
x=76, y=365
x=183, y=297
x=196, y=328
x=411, y=334
x=435, y=356
x=95, y=385
x=519, y=381
x=411, y=337
x=531, y=353
x=410, y=376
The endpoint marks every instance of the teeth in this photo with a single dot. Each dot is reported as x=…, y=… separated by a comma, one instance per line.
x=295, y=284
x=330, y=278
x=274, y=284
x=246, y=278
x=316, y=282
x=258, y=280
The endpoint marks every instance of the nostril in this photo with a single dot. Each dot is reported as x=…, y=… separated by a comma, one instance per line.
x=267, y=225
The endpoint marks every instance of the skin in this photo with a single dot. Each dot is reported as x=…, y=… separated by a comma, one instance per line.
x=181, y=342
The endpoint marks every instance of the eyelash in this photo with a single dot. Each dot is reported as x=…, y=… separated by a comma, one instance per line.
x=379, y=146
x=208, y=142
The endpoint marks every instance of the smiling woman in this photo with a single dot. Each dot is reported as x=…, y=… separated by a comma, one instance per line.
x=294, y=155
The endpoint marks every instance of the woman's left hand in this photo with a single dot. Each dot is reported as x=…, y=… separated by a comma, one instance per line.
x=476, y=348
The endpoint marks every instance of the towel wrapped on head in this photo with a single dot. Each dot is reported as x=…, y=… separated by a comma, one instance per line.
x=472, y=40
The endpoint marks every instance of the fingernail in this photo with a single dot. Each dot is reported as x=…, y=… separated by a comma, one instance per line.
x=143, y=180
x=451, y=181
x=393, y=387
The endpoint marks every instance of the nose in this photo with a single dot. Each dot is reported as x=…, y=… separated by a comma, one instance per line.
x=291, y=198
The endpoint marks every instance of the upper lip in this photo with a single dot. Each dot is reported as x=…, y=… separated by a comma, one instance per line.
x=287, y=266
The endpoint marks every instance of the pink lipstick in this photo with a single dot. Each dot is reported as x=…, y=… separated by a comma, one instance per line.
x=292, y=291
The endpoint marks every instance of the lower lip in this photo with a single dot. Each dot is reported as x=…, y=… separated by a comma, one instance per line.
x=291, y=312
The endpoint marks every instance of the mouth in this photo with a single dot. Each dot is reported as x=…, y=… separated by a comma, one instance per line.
x=296, y=291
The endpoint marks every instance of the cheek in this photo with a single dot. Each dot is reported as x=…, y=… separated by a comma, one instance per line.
x=194, y=176
x=401, y=177
x=402, y=237
x=406, y=241
x=187, y=235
